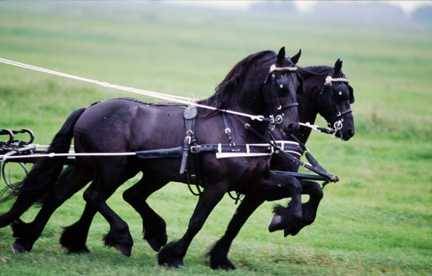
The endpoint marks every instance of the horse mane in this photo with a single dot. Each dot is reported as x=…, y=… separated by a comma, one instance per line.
x=234, y=80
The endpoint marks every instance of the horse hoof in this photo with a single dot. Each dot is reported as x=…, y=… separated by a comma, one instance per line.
x=18, y=248
x=126, y=250
x=292, y=230
x=122, y=243
x=84, y=250
x=74, y=240
x=276, y=223
x=222, y=264
x=76, y=249
x=174, y=263
x=169, y=257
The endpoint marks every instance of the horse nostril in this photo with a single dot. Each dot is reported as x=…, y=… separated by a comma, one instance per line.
x=351, y=132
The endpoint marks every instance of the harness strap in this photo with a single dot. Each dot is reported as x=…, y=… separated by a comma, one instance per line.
x=343, y=113
x=228, y=129
x=190, y=114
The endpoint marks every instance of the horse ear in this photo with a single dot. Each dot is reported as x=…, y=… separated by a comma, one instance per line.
x=295, y=58
x=281, y=55
x=338, y=66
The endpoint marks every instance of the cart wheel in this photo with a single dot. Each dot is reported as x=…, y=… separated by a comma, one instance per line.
x=12, y=175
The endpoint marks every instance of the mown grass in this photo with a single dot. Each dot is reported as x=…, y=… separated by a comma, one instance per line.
x=376, y=220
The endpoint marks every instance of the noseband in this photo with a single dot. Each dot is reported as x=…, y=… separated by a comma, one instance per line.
x=338, y=124
x=278, y=117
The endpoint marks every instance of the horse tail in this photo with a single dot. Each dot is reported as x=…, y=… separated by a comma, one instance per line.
x=44, y=173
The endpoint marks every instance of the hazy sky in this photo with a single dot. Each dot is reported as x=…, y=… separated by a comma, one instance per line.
x=407, y=6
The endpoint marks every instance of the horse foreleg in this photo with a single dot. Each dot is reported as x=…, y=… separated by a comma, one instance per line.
x=172, y=254
x=293, y=214
x=74, y=236
x=154, y=227
x=310, y=208
x=219, y=253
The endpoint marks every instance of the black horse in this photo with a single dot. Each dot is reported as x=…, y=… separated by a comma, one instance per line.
x=331, y=98
x=124, y=125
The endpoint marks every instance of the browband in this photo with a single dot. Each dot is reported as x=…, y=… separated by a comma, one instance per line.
x=329, y=80
x=286, y=68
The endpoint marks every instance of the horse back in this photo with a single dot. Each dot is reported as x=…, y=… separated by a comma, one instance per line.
x=129, y=125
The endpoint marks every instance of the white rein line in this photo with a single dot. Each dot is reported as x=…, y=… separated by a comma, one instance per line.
x=54, y=155
x=142, y=92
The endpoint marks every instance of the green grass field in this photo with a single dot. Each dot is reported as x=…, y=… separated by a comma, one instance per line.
x=376, y=220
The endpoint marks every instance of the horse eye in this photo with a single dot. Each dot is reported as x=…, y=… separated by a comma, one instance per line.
x=340, y=93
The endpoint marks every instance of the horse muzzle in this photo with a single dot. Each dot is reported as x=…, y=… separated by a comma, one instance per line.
x=345, y=134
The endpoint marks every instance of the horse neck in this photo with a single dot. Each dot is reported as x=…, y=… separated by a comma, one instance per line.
x=241, y=134
x=308, y=106
x=235, y=102
x=307, y=113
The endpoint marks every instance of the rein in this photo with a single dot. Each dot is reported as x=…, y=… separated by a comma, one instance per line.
x=148, y=93
x=142, y=92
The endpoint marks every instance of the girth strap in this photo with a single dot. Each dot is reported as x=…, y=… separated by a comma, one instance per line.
x=191, y=171
x=189, y=115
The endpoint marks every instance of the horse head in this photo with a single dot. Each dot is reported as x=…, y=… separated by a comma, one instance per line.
x=281, y=86
x=334, y=102
x=263, y=83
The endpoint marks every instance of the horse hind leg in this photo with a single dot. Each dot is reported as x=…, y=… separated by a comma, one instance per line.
x=74, y=236
x=70, y=181
x=154, y=226
x=107, y=182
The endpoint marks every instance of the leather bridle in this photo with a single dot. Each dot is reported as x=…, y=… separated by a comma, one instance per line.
x=338, y=123
x=277, y=117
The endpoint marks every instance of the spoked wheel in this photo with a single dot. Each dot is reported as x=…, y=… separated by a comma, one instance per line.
x=12, y=174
